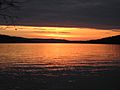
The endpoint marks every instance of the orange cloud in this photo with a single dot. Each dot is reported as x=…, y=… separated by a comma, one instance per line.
x=58, y=32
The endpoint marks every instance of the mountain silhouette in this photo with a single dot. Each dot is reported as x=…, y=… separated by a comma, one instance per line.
x=14, y=39
x=108, y=40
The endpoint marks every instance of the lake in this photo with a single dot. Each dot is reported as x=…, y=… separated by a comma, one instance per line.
x=59, y=66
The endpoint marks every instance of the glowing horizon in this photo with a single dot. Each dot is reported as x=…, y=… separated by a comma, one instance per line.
x=57, y=32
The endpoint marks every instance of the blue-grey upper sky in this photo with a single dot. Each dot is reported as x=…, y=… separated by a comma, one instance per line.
x=101, y=14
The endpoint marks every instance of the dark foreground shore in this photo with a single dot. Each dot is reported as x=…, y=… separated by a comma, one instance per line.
x=108, y=80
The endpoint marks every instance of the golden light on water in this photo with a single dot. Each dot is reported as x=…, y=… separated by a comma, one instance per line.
x=51, y=55
x=57, y=32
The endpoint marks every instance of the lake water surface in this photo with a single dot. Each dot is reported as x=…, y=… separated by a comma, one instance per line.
x=34, y=61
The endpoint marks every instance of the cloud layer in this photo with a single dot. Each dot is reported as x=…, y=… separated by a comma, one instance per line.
x=100, y=14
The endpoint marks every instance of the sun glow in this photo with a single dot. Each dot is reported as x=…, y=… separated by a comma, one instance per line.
x=57, y=35
x=57, y=32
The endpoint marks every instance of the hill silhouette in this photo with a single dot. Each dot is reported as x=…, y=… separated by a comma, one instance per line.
x=14, y=39
x=108, y=40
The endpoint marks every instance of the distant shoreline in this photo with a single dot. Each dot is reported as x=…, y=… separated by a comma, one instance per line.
x=14, y=39
x=54, y=43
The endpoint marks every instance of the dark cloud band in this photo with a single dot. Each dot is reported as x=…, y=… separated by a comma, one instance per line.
x=100, y=14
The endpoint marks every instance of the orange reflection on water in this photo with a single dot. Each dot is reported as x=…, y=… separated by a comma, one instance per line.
x=59, y=54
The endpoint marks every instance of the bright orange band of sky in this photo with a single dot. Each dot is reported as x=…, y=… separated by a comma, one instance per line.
x=57, y=32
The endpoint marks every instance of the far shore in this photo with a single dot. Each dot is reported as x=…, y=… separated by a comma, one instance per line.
x=14, y=39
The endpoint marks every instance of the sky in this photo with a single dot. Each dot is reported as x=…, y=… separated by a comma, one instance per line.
x=66, y=19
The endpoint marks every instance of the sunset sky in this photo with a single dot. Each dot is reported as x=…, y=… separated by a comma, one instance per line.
x=65, y=19
x=57, y=32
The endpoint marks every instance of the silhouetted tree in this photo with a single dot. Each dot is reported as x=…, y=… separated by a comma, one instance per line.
x=8, y=6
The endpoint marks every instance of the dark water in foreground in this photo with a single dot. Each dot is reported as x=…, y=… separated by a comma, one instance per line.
x=59, y=67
